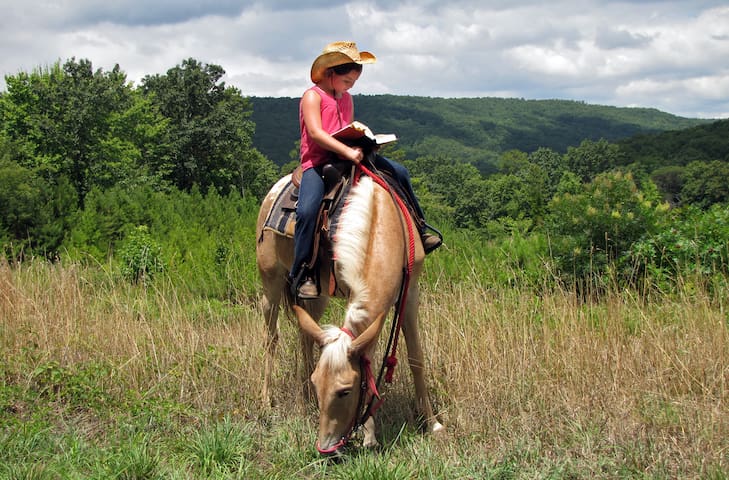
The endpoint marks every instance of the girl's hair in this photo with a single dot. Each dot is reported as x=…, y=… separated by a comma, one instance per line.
x=346, y=68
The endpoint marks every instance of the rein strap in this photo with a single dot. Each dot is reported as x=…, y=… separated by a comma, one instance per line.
x=369, y=384
x=391, y=360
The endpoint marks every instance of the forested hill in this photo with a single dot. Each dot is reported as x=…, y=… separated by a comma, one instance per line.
x=704, y=143
x=476, y=130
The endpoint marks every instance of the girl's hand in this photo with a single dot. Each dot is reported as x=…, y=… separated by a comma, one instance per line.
x=355, y=155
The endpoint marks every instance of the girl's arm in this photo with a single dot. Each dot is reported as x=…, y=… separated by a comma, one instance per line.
x=311, y=109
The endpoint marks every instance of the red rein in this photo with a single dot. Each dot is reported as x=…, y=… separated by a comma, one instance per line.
x=369, y=386
x=392, y=358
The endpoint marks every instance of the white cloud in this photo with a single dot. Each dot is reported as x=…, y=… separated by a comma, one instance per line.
x=667, y=55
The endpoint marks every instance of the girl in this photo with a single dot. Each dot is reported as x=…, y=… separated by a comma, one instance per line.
x=325, y=108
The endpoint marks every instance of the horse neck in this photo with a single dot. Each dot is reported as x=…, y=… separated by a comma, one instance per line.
x=372, y=265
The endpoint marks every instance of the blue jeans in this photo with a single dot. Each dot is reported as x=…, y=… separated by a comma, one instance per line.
x=402, y=175
x=311, y=193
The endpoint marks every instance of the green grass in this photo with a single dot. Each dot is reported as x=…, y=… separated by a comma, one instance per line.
x=101, y=379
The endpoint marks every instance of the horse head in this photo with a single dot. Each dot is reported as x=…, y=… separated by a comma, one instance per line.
x=340, y=390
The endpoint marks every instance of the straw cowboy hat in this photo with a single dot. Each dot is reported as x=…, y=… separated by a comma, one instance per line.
x=338, y=53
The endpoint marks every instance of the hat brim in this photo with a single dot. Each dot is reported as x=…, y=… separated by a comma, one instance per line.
x=332, y=59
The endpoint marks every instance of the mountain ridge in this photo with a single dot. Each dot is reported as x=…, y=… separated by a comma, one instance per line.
x=476, y=130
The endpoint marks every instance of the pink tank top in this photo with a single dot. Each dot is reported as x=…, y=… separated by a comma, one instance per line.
x=335, y=114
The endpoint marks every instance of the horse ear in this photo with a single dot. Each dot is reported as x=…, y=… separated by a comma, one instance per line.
x=368, y=336
x=308, y=325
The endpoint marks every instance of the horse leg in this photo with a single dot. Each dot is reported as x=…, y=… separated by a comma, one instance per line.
x=270, y=314
x=306, y=367
x=417, y=362
x=370, y=441
x=315, y=308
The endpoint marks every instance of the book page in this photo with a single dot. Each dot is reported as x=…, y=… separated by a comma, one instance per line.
x=358, y=130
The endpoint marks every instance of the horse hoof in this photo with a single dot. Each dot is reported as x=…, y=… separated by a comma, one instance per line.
x=437, y=428
x=370, y=443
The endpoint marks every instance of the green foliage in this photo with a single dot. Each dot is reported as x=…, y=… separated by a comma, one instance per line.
x=592, y=158
x=134, y=151
x=553, y=165
x=58, y=117
x=476, y=202
x=705, y=183
x=691, y=242
x=96, y=130
x=107, y=217
x=34, y=213
x=594, y=229
x=209, y=130
x=204, y=239
x=679, y=146
x=470, y=130
x=167, y=174
x=140, y=256
x=670, y=181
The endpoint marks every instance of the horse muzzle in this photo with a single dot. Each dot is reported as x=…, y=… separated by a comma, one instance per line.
x=335, y=449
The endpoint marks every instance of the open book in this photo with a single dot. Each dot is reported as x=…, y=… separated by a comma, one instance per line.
x=357, y=133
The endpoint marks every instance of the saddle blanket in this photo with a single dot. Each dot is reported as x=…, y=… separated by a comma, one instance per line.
x=282, y=216
x=281, y=219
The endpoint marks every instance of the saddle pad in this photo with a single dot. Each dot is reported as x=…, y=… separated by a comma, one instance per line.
x=282, y=216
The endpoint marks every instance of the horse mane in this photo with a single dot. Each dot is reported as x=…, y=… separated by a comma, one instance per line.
x=335, y=352
x=352, y=239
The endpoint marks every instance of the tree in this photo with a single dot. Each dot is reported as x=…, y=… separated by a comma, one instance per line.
x=706, y=183
x=505, y=197
x=133, y=150
x=553, y=164
x=512, y=162
x=57, y=116
x=209, y=128
x=595, y=227
x=34, y=213
x=88, y=126
x=592, y=158
x=670, y=181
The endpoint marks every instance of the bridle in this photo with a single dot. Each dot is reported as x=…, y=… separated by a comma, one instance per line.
x=368, y=392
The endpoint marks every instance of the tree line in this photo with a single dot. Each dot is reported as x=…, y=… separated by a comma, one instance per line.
x=475, y=130
x=69, y=130
x=93, y=165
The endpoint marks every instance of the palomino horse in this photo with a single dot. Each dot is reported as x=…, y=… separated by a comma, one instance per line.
x=371, y=249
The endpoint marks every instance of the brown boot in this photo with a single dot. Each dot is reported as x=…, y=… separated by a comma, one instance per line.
x=307, y=290
x=430, y=242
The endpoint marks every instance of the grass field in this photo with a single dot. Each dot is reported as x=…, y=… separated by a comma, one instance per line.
x=100, y=379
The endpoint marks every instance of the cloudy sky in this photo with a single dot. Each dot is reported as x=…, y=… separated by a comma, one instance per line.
x=669, y=55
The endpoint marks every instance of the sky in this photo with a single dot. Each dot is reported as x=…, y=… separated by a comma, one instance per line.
x=668, y=55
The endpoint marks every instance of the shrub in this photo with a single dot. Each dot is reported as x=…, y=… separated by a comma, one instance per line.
x=140, y=256
x=693, y=241
x=34, y=213
x=593, y=230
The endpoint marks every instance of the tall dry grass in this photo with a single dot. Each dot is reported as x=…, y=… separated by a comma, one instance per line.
x=157, y=342
x=642, y=381
x=627, y=383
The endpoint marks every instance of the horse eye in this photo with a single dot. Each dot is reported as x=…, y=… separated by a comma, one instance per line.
x=343, y=393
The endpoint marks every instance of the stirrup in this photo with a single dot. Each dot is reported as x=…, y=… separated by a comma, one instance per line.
x=307, y=290
x=430, y=242
x=426, y=226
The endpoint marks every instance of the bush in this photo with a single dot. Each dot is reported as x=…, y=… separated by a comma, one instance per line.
x=594, y=230
x=204, y=243
x=141, y=256
x=34, y=213
x=692, y=242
